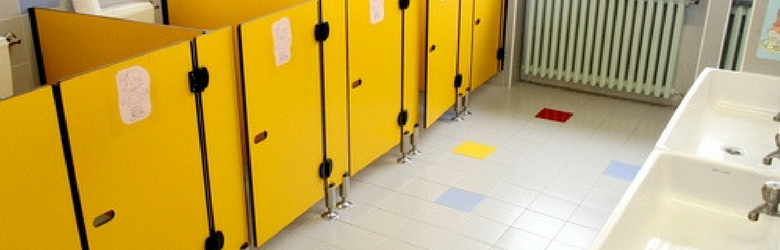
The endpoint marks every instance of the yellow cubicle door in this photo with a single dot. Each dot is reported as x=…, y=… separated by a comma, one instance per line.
x=224, y=141
x=487, y=40
x=465, y=43
x=282, y=91
x=134, y=139
x=72, y=44
x=334, y=12
x=374, y=35
x=441, y=62
x=36, y=209
x=414, y=60
x=210, y=14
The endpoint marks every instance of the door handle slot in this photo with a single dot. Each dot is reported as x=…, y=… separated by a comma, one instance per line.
x=104, y=218
x=357, y=83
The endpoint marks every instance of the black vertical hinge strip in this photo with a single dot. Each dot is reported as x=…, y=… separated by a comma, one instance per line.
x=72, y=180
x=403, y=117
x=326, y=168
x=458, y=81
x=199, y=81
x=321, y=34
x=500, y=54
x=166, y=18
x=38, y=50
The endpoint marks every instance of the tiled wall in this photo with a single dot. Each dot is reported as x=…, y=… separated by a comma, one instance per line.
x=14, y=18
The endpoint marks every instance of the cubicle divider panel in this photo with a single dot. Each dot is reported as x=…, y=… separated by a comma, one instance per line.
x=441, y=62
x=36, y=211
x=336, y=109
x=414, y=60
x=70, y=44
x=487, y=40
x=374, y=38
x=210, y=14
x=134, y=139
x=465, y=45
x=283, y=109
x=223, y=131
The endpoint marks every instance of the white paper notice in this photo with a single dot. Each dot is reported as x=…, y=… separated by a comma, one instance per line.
x=282, y=40
x=377, y=8
x=135, y=103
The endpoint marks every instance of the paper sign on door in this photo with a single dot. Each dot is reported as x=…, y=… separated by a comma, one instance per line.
x=135, y=103
x=377, y=9
x=282, y=40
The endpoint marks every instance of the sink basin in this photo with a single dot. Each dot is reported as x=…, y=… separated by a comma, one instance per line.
x=726, y=109
x=683, y=202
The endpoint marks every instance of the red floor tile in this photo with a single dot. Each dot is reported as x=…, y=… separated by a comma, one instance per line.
x=554, y=115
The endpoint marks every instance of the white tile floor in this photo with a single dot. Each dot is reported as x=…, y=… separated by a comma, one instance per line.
x=544, y=185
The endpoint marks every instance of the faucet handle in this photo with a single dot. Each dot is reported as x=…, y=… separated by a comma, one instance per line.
x=771, y=192
x=777, y=139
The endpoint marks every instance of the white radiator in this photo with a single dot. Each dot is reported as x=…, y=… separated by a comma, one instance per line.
x=627, y=45
x=735, y=40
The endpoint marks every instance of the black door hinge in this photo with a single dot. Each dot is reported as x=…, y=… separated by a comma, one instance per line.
x=199, y=79
x=326, y=168
x=403, y=4
x=458, y=81
x=403, y=118
x=322, y=31
x=500, y=54
x=215, y=241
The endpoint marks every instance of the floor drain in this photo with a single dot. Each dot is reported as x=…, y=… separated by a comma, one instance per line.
x=734, y=151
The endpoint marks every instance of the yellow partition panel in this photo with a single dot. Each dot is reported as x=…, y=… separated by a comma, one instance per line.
x=441, y=62
x=487, y=40
x=134, y=139
x=334, y=12
x=466, y=43
x=36, y=209
x=374, y=38
x=221, y=112
x=71, y=44
x=210, y=14
x=414, y=60
x=282, y=92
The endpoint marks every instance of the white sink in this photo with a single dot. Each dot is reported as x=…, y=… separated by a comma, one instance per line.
x=726, y=109
x=681, y=202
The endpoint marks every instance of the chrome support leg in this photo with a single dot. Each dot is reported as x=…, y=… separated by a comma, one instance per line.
x=330, y=203
x=404, y=159
x=413, y=140
x=344, y=191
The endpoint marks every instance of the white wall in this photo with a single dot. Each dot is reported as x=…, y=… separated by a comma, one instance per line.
x=751, y=63
x=14, y=18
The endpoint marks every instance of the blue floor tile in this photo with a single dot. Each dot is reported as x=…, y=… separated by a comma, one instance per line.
x=460, y=199
x=622, y=170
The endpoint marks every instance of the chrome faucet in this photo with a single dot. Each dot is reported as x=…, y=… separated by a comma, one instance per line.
x=771, y=194
x=775, y=154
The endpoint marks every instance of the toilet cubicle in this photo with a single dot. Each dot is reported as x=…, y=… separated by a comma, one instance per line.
x=37, y=210
x=253, y=109
x=294, y=93
x=130, y=103
x=464, y=41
